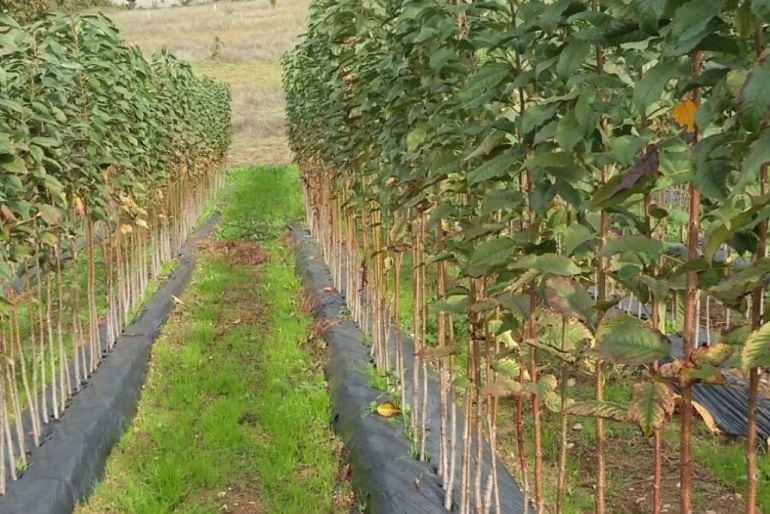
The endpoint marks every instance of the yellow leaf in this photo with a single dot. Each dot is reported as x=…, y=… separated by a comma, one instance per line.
x=79, y=207
x=708, y=419
x=126, y=229
x=388, y=410
x=684, y=115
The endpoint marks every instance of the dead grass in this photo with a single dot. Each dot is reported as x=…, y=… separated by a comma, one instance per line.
x=252, y=37
x=235, y=252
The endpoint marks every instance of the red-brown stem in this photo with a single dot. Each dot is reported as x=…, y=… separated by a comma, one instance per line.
x=688, y=342
x=601, y=297
x=657, y=461
x=756, y=322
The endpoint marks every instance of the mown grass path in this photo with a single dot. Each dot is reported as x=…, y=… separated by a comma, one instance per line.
x=234, y=413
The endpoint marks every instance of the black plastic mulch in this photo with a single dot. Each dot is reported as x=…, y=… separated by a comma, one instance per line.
x=385, y=475
x=64, y=469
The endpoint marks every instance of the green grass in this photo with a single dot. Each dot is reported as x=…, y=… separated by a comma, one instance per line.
x=726, y=460
x=376, y=379
x=233, y=406
x=260, y=210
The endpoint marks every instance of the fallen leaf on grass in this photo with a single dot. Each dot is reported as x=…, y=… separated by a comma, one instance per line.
x=388, y=409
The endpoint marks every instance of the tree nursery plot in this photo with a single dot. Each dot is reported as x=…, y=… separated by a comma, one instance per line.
x=220, y=427
x=570, y=199
x=106, y=160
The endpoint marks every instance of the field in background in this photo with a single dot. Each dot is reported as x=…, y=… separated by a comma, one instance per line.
x=153, y=4
x=240, y=43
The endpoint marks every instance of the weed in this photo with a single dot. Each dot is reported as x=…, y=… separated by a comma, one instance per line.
x=376, y=379
x=216, y=48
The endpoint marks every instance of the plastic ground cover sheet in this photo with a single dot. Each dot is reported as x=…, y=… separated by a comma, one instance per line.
x=385, y=476
x=723, y=406
x=64, y=469
x=727, y=405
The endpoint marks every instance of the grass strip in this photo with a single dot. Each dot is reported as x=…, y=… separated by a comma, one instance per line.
x=234, y=413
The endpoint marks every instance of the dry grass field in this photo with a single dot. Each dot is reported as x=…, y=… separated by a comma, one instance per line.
x=240, y=43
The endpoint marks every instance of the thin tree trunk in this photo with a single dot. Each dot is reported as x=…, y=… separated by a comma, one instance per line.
x=756, y=322
x=688, y=342
x=657, y=456
x=601, y=297
x=563, y=421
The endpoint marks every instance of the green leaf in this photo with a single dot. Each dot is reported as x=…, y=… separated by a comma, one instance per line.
x=721, y=231
x=732, y=289
x=649, y=13
x=12, y=164
x=651, y=403
x=756, y=351
x=49, y=239
x=652, y=84
x=492, y=141
x=757, y=155
x=628, y=340
x=754, y=99
x=488, y=254
x=549, y=263
x=454, y=305
x=536, y=116
x=735, y=80
x=568, y=298
x=737, y=336
x=659, y=288
x=507, y=367
x=584, y=110
x=545, y=389
x=761, y=8
x=440, y=57
x=550, y=160
x=574, y=236
x=692, y=18
x=48, y=142
x=599, y=409
x=646, y=248
x=569, y=133
x=415, y=137
x=50, y=214
x=487, y=76
x=571, y=57
x=494, y=168
x=711, y=166
x=625, y=149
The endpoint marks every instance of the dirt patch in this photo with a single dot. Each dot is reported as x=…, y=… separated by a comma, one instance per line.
x=629, y=462
x=343, y=497
x=629, y=468
x=235, y=252
x=239, y=500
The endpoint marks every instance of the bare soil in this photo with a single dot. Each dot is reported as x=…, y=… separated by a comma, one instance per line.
x=239, y=500
x=235, y=252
